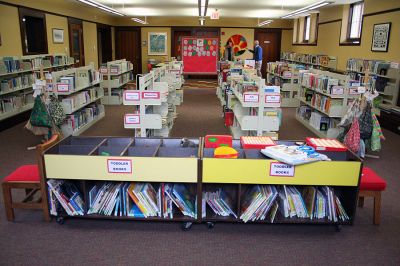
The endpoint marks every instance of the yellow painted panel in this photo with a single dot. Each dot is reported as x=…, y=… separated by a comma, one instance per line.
x=246, y=171
x=9, y=31
x=145, y=56
x=143, y=168
x=57, y=22
x=90, y=43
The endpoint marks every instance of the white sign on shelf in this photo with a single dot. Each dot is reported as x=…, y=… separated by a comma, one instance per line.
x=273, y=98
x=151, y=95
x=281, y=169
x=251, y=98
x=132, y=95
x=132, y=119
x=337, y=90
x=395, y=65
x=61, y=87
x=361, y=89
x=119, y=166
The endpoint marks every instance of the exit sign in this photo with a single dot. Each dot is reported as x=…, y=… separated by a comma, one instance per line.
x=214, y=15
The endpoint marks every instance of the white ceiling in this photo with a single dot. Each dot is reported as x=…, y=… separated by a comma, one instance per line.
x=226, y=8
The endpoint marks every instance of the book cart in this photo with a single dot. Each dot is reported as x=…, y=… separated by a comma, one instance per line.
x=81, y=160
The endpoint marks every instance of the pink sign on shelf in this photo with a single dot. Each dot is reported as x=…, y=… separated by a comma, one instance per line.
x=132, y=119
x=272, y=98
x=62, y=87
x=151, y=95
x=250, y=98
x=131, y=96
x=337, y=90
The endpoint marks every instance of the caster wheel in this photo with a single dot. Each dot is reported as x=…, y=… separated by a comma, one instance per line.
x=210, y=225
x=60, y=220
x=338, y=228
x=186, y=226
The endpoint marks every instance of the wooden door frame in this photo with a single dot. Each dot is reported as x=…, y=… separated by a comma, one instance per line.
x=33, y=13
x=272, y=30
x=129, y=28
x=99, y=28
x=78, y=22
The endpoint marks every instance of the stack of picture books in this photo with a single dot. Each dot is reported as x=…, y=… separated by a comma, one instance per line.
x=67, y=195
x=257, y=201
x=220, y=202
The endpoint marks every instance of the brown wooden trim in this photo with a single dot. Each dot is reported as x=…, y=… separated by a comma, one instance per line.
x=49, y=12
x=329, y=21
x=305, y=44
x=382, y=12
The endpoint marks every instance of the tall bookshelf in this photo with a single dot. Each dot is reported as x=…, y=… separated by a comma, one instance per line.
x=255, y=107
x=287, y=77
x=79, y=91
x=18, y=74
x=324, y=98
x=115, y=76
x=385, y=77
x=116, y=160
x=323, y=62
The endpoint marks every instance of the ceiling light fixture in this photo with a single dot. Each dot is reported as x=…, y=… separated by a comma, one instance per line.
x=138, y=20
x=307, y=8
x=203, y=5
x=102, y=7
x=263, y=23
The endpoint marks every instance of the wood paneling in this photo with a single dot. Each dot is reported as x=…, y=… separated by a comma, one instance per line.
x=128, y=46
x=270, y=41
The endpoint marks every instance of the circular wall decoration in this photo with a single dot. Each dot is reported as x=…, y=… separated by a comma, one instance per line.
x=239, y=44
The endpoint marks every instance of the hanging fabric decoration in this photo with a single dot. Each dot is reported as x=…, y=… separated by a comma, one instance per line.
x=366, y=123
x=377, y=135
x=352, y=138
x=39, y=116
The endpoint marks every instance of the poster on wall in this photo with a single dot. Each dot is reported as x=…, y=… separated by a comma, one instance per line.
x=157, y=43
x=380, y=38
x=200, y=55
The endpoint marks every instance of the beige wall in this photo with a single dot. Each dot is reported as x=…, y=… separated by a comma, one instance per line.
x=144, y=36
x=9, y=31
x=59, y=23
x=329, y=35
x=286, y=40
x=248, y=34
x=90, y=43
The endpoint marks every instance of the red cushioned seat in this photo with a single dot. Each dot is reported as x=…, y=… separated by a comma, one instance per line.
x=371, y=180
x=25, y=173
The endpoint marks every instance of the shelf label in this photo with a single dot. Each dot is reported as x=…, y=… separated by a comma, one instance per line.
x=273, y=98
x=151, y=95
x=337, y=90
x=132, y=119
x=114, y=70
x=250, y=98
x=103, y=70
x=281, y=169
x=119, y=166
x=361, y=89
x=132, y=95
x=395, y=65
x=61, y=87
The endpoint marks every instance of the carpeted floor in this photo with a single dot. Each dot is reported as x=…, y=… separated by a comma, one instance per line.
x=30, y=241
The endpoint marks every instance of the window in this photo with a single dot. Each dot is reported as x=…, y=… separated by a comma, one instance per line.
x=33, y=31
x=307, y=26
x=355, y=22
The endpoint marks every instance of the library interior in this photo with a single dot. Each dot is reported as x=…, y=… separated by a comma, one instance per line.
x=199, y=132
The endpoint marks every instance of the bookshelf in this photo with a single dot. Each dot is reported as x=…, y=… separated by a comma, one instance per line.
x=287, y=77
x=79, y=92
x=17, y=75
x=324, y=97
x=323, y=62
x=89, y=163
x=385, y=78
x=255, y=106
x=115, y=75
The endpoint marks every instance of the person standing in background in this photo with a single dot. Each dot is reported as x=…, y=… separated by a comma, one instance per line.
x=258, y=55
x=229, y=53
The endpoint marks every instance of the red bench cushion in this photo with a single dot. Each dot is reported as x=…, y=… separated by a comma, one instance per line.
x=371, y=180
x=25, y=173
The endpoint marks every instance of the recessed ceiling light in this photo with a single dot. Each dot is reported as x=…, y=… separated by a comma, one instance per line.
x=101, y=6
x=307, y=8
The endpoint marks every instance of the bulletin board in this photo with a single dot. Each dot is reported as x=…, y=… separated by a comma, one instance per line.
x=200, y=55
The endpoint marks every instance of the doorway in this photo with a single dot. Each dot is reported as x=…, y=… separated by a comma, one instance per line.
x=75, y=30
x=104, y=43
x=270, y=42
x=128, y=46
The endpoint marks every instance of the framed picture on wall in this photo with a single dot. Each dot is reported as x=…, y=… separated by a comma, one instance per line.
x=380, y=37
x=58, y=36
x=157, y=43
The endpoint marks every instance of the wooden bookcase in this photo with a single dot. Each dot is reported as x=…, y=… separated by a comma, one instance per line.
x=79, y=160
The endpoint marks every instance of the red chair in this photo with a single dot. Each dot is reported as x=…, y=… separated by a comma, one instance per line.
x=28, y=177
x=371, y=185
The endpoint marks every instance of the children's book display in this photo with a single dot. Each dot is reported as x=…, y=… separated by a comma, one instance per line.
x=155, y=100
x=160, y=180
x=79, y=93
x=324, y=98
x=115, y=76
x=17, y=76
x=286, y=76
